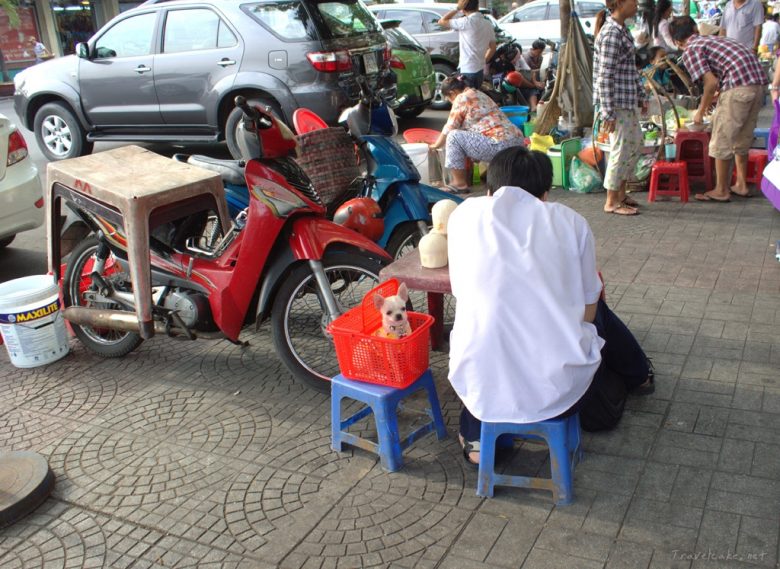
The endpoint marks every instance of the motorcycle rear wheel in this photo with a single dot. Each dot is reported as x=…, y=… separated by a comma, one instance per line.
x=101, y=341
x=298, y=317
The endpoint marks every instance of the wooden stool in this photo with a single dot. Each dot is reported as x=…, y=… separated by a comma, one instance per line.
x=669, y=179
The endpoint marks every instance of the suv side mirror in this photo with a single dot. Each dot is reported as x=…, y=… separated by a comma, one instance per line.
x=82, y=50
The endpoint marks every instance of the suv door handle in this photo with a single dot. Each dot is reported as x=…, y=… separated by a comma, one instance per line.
x=224, y=62
x=142, y=69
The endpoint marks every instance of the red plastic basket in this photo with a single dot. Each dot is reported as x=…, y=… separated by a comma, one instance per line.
x=426, y=135
x=384, y=361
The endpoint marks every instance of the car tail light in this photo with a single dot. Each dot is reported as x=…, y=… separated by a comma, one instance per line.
x=330, y=61
x=396, y=63
x=17, y=148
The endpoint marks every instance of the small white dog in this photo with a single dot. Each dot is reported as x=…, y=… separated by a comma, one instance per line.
x=395, y=322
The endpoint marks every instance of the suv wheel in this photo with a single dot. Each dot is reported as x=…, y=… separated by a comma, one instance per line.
x=441, y=71
x=231, y=124
x=59, y=134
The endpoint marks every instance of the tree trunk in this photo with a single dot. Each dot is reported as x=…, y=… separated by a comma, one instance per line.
x=565, y=12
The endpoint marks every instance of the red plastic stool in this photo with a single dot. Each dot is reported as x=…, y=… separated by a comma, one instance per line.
x=693, y=149
x=669, y=179
x=757, y=160
x=305, y=121
x=426, y=135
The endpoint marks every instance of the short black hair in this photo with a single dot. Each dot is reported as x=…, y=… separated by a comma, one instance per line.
x=518, y=166
x=539, y=44
x=471, y=6
x=681, y=28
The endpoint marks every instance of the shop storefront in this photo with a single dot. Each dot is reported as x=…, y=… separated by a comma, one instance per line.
x=58, y=24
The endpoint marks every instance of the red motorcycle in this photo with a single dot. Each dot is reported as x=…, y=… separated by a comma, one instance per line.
x=281, y=258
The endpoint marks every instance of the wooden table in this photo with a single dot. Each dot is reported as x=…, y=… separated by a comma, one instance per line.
x=434, y=282
x=133, y=189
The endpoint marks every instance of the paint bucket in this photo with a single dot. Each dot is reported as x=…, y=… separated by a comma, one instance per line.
x=418, y=152
x=31, y=321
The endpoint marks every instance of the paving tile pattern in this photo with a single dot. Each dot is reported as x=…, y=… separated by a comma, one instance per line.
x=208, y=454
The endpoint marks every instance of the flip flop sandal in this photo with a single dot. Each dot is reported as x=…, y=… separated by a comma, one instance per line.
x=468, y=448
x=630, y=202
x=648, y=386
x=706, y=197
x=453, y=190
x=622, y=210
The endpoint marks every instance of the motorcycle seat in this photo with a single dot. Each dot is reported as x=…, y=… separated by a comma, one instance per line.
x=232, y=171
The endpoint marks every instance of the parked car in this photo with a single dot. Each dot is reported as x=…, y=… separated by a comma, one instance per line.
x=413, y=68
x=21, y=194
x=422, y=22
x=541, y=19
x=170, y=71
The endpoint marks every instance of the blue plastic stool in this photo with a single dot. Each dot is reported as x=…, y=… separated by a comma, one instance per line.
x=562, y=437
x=383, y=402
x=762, y=134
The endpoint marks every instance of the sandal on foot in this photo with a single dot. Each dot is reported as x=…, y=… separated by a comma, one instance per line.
x=468, y=448
x=622, y=210
x=708, y=197
x=648, y=386
x=453, y=190
x=630, y=202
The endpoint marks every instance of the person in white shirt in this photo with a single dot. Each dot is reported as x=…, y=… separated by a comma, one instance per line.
x=742, y=21
x=770, y=33
x=661, y=18
x=476, y=40
x=524, y=346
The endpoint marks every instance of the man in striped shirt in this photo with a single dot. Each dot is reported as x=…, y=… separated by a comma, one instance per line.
x=726, y=66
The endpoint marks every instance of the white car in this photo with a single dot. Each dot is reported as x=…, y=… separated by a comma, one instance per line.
x=21, y=194
x=541, y=19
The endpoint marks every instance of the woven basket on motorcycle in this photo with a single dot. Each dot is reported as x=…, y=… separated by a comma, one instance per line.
x=328, y=157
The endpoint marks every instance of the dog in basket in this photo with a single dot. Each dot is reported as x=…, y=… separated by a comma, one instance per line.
x=395, y=322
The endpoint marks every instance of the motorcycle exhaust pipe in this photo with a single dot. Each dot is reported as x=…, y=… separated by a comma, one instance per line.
x=124, y=322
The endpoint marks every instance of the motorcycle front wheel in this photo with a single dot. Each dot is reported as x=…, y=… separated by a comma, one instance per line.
x=299, y=318
x=101, y=341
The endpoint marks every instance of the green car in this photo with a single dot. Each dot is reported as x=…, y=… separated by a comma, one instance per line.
x=413, y=69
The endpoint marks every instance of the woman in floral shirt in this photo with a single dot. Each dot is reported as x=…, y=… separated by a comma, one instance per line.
x=618, y=92
x=476, y=129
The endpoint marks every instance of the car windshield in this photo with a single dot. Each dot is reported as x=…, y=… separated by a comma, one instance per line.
x=345, y=18
x=400, y=38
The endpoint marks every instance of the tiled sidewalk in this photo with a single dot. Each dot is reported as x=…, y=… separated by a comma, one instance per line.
x=206, y=454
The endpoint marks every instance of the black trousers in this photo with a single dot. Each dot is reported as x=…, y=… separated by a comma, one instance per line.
x=621, y=355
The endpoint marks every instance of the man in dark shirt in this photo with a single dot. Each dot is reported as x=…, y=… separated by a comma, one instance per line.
x=726, y=66
x=534, y=55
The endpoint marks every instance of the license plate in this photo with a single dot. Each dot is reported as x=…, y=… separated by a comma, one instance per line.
x=369, y=61
x=426, y=91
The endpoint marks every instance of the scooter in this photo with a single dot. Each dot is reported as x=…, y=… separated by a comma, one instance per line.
x=390, y=176
x=281, y=258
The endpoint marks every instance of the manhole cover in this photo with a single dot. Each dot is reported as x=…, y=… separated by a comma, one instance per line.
x=25, y=482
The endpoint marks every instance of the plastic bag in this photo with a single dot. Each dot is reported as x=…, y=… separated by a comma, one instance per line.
x=583, y=178
x=671, y=121
x=643, y=167
x=773, y=131
x=540, y=142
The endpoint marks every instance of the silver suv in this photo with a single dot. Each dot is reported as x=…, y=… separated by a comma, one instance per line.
x=170, y=71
